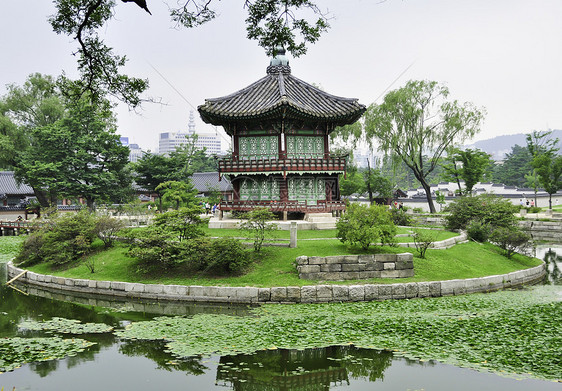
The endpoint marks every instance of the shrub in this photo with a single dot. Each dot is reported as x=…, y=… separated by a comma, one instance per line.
x=400, y=217
x=31, y=252
x=227, y=256
x=510, y=239
x=488, y=209
x=154, y=250
x=184, y=223
x=534, y=209
x=106, y=228
x=364, y=225
x=478, y=231
x=256, y=224
x=423, y=239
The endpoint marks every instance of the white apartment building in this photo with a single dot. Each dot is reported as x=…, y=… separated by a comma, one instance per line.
x=169, y=141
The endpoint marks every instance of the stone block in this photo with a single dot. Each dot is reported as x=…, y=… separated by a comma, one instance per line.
x=333, y=267
x=311, y=276
x=316, y=260
x=154, y=288
x=117, y=285
x=308, y=294
x=247, y=293
x=368, y=274
x=40, y=278
x=385, y=257
x=294, y=294
x=385, y=292
x=411, y=290
x=305, y=269
x=371, y=292
x=389, y=266
x=366, y=258
x=435, y=289
x=404, y=257
x=349, y=267
x=264, y=294
x=357, y=293
x=69, y=282
x=389, y=274
x=349, y=259
x=473, y=285
x=340, y=292
x=349, y=275
x=404, y=265
x=398, y=291
x=48, y=279
x=335, y=259
x=332, y=276
x=423, y=289
x=196, y=290
x=302, y=260
x=58, y=280
x=31, y=276
x=324, y=292
x=81, y=283
x=279, y=293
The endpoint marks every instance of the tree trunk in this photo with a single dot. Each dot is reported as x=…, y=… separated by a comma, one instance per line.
x=428, y=195
x=42, y=197
x=369, y=189
x=90, y=204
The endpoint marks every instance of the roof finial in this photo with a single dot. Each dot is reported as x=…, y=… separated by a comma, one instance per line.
x=279, y=63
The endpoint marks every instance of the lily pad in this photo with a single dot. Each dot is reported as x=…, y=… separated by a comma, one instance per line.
x=65, y=326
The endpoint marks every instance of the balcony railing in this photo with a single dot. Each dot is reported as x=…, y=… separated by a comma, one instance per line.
x=320, y=206
x=331, y=163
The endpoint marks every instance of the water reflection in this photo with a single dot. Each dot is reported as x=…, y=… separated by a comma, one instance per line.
x=310, y=369
x=552, y=256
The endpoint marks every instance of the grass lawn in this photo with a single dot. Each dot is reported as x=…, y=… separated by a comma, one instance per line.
x=275, y=266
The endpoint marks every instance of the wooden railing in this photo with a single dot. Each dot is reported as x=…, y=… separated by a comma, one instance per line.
x=331, y=163
x=284, y=206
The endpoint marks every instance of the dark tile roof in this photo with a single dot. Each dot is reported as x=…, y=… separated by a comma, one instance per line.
x=208, y=181
x=8, y=185
x=281, y=94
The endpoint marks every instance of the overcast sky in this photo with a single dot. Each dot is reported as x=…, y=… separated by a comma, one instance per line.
x=504, y=55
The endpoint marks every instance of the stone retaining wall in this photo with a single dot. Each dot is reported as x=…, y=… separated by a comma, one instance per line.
x=549, y=231
x=295, y=294
x=355, y=267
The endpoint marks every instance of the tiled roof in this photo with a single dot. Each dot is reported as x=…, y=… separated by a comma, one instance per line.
x=8, y=185
x=208, y=181
x=281, y=95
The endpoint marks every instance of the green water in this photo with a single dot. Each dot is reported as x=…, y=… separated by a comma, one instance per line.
x=119, y=364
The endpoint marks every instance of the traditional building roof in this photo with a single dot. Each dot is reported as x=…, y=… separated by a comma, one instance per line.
x=205, y=182
x=8, y=185
x=279, y=95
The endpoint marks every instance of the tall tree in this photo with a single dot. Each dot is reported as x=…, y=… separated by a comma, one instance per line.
x=80, y=155
x=272, y=23
x=512, y=171
x=37, y=103
x=468, y=165
x=539, y=143
x=416, y=119
x=548, y=167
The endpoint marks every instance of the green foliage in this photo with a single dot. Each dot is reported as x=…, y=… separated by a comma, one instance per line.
x=515, y=166
x=155, y=251
x=376, y=184
x=488, y=209
x=352, y=183
x=461, y=330
x=257, y=225
x=549, y=171
x=65, y=240
x=510, y=239
x=423, y=239
x=418, y=118
x=468, y=165
x=366, y=225
x=181, y=224
x=223, y=256
x=478, y=230
x=65, y=326
x=106, y=229
x=180, y=193
x=14, y=352
x=400, y=217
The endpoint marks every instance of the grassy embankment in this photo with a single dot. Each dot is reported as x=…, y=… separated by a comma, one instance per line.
x=275, y=266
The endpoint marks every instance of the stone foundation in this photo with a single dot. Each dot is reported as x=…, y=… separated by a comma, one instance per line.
x=355, y=267
x=295, y=294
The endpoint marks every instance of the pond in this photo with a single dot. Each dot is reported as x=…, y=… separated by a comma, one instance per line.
x=121, y=362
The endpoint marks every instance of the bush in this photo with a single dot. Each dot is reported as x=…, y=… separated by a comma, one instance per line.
x=400, y=217
x=364, y=225
x=423, y=239
x=31, y=252
x=184, y=223
x=488, y=209
x=534, y=209
x=227, y=256
x=256, y=224
x=510, y=239
x=478, y=231
x=106, y=228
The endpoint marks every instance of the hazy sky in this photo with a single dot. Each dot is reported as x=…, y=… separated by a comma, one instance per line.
x=504, y=55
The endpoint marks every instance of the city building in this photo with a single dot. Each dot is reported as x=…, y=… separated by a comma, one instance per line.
x=281, y=157
x=169, y=141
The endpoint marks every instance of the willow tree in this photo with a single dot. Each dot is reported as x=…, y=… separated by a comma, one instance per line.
x=418, y=120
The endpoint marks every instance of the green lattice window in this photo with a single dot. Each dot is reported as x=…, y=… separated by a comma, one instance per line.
x=259, y=189
x=305, y=146
x=258, y=147
x=307, y=189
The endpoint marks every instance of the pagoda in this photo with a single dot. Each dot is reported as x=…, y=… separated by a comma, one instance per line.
x=280, y=127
